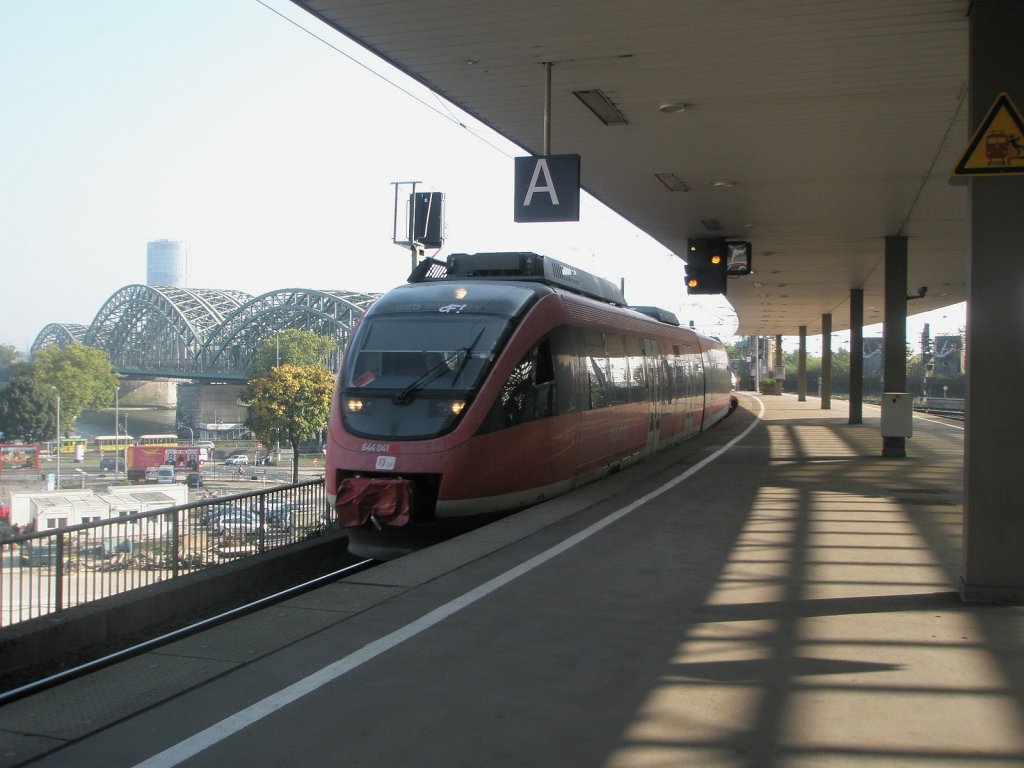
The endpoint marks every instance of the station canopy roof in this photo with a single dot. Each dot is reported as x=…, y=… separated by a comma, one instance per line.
x=811, y=129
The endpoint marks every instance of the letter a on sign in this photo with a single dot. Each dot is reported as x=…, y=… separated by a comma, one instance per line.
x=547, y=188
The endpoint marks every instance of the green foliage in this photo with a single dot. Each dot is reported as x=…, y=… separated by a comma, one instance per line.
x=81, y=375
x=28, y=409
x=290, y=347
x=8, y=357
x=291, y=401
x=873, y=385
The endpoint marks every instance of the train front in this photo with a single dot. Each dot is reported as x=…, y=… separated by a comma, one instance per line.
x=403, y=407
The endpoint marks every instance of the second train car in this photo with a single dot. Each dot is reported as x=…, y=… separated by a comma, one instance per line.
x=494, y=381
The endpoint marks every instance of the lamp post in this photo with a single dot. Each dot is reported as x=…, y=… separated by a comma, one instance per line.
x=58, y=438
x=117, y=440
x=191, y=434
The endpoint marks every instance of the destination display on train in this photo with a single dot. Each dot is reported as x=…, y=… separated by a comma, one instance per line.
x=459, y=298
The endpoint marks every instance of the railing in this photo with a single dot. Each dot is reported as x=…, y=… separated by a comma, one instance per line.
x=950, y=406
x=51, y=571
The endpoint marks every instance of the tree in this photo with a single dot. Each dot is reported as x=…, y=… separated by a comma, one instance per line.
x=292, y=346
x=8, y=357
x=81, y=375
x=291, y=401
x=28, y=409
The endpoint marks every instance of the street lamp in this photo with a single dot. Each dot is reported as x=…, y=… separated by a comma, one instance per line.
x=58, y=438
x=191, y=434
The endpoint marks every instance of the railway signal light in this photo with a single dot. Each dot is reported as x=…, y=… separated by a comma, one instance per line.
x=705, y=266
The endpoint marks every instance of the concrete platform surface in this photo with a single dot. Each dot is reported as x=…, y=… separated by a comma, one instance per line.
x=773, y=593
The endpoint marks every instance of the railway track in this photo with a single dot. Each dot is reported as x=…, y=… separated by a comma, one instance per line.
x=116, y=656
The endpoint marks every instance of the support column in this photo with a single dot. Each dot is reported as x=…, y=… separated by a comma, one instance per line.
x=826, y=362
x=894, y=331
x=777, y=365
x=993, y=543
x=801, y=369
x=856, y=356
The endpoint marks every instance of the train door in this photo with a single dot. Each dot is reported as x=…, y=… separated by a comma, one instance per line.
x=655, y=385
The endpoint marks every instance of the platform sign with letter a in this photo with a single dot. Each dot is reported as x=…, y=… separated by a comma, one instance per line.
x=547, y=188
x=997, y=147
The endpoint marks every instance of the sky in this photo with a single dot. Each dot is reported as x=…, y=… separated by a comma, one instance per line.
x=271, y=145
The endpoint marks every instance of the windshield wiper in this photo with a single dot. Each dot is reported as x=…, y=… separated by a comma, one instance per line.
x=468, y=352
x=431, y=374
x=440, y=369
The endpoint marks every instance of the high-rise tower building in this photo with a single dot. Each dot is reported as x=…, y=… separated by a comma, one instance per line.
x=167, y=263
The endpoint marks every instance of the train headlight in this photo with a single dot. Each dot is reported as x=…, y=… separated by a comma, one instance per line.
x=461, y=293
x=354, y=405
x=458, y=406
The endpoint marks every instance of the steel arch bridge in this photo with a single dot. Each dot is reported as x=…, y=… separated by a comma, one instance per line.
x=60, y=334
x=205, y=333
x=326, y=313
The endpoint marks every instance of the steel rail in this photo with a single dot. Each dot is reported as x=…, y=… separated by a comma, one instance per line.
x=125, y=653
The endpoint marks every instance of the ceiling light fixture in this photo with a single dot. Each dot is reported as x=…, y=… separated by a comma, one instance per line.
x=601, y=106
x=672, y=107
x=673, y=182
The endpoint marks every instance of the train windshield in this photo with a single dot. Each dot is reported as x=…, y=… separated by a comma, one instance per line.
x=423, y=353
x=415, y=365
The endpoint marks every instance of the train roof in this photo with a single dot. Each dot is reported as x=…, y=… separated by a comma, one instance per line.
x=534, y=268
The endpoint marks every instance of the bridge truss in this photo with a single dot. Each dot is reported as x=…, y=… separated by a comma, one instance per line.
x=205, y=333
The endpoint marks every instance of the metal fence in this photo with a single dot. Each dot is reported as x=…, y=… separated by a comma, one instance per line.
x=50, y=571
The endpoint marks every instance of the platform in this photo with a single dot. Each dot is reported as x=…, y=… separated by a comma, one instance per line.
x=774, y=593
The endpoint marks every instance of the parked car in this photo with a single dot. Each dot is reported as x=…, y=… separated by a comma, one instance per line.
x=110, y=464
x=237, y=524
x=211, y=514
x=38, y=552
x=194, y=480
x=239, y=458
x=279, y=515
x=265, y=460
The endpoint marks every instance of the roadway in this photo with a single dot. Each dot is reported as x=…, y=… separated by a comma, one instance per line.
x=773, y=593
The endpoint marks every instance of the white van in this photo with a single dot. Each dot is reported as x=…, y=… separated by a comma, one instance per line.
x=162, y=474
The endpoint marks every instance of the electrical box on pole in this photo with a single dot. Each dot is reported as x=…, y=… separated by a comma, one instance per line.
x=426, y=219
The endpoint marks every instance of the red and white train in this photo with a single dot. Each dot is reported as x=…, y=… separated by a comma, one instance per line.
x=494, y=381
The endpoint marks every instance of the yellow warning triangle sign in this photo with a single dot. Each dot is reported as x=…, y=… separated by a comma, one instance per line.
x=997, y=147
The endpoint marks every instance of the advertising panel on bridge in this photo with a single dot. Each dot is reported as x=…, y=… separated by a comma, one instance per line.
x=873, y=348
x=948, y=355
x=19, y=458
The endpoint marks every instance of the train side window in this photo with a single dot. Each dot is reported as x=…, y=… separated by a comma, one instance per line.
x=637, y=375
x=529, y=391
x=618, y=369
x=596, y=362
x=563, y=358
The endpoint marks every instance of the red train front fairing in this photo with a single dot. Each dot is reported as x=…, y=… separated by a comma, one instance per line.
x=384, y=501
